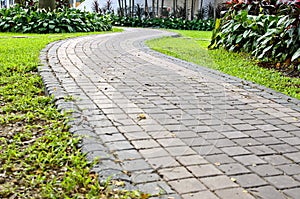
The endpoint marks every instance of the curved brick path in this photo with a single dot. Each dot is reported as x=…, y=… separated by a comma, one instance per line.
x=172, y=128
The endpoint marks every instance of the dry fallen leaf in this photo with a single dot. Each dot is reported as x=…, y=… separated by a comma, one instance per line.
x=217, y=163
x=233, y=179
x=141, y=116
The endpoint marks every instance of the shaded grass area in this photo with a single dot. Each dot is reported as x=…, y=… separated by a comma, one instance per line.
x=192, y=47
x=38, y=156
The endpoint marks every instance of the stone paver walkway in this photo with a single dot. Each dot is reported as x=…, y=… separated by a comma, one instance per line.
x=172, y=128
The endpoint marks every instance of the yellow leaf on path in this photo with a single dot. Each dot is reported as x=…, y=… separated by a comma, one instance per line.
x=233, y=179
x=141, y=116
x=217, y=163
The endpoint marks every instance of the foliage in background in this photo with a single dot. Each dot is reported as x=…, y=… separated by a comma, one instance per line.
x=169, y=23
x=17, y=19
x=269, y=31
x=192, y=46
x=39, y=158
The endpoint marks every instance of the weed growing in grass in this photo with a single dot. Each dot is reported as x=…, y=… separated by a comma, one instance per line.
x=192, y=46
x=38, y=156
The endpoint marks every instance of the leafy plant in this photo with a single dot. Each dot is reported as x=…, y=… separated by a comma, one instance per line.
x=268, y=31
x=61, y=20
x=168, y=23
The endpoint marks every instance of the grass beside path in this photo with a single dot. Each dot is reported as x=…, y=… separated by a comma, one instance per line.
x=38, y=156
x=192, y=47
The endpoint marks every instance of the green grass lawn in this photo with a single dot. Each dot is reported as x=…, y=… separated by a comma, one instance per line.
x=38, y=156
x=192, y=47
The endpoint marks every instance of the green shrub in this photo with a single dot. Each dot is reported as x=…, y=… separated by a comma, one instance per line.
x=269, y=33
x=168, y=23
x=18, y=19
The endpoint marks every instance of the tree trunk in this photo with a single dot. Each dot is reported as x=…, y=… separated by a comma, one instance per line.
x=47, y=4
x=162, y=7
x=132, y=8
x=153, y=8
x=146, y=8
x=192, y=9
x=157, y=6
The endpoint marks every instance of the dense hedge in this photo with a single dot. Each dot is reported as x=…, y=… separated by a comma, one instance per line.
x=17, y=19
x=270, y=32
x=169, y=23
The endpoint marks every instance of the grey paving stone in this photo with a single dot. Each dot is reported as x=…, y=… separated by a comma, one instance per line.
x=169, y=142
x=188, y=185
x=175, y=173
x=292, y=140
x=234, y=193
x=135, y=165
x=218, y=182
x=284, y=148
x=137, y=136
x=276, y=159
x=154, y=152
x=162, y=162
x=249, y=180
x=130, y=154
x=195, y=141
x=249, y=160
x=233, y=169
x=269, y=140
x=207, y=150
x=142, y=177
x=201, y=194
x=290, y=169
x=246, y=142
x=235, y=151
x=283, y=182
x=261, y=150
x=145, y=144
x=220, y=159
x=180, y=151
x=119, y=145
x=222, y=142
x=204, y=170
x=293, y=193
x=265, y=170
x=191, y=160
x=267, y=192
x=156, y=188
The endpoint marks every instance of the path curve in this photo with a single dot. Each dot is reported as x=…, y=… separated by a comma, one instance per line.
x=172, y=128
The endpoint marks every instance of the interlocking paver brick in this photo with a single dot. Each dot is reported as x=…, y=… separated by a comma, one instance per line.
x=204, y=170
x=283, y=182
x=195, y=118
x=207, y=150
x=293, y=193
x=261, y=150
x=187, y=185
x=284, y=148
x=163, y=162
x=290, y=169
x=175, y=173
x=249, y=160
x=246, y=142
x=234, y=193
x=218, y=182
x=235, y=151
x=201, y=194
x=191, y=160
x=249, y=180
x=180, y=151
x=276, y=159
x=222, y=142
x=145, y=144
x=267, y=192
x=265, y=170
x=234, y=169
x=219, y=159
x=171, y=142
